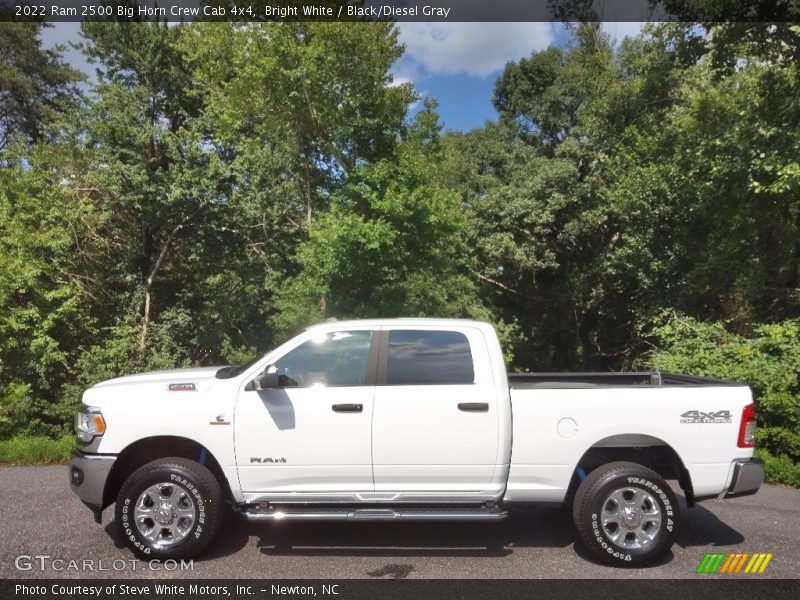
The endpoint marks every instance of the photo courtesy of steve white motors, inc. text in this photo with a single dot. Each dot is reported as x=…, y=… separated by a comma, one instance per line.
x=135, y=590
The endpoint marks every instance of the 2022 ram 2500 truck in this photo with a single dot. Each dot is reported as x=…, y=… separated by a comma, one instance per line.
x=408, y=419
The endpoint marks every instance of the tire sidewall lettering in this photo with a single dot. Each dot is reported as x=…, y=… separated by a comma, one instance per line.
x=132, y=533
x=662, y=495
x=605, y=544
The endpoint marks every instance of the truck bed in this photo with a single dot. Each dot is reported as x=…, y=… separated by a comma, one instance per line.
x=522, y=381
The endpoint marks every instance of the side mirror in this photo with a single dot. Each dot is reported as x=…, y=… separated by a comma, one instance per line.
x=269, y=379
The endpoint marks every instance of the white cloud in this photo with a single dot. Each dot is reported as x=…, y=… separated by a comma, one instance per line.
x=476, y=49
x=620, y=30
x=398, y=80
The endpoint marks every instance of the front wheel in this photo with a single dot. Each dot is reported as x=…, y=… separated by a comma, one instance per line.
x=169, y=508
x=626, y=515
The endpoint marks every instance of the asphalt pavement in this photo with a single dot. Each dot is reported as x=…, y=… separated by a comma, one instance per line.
x=40, y=517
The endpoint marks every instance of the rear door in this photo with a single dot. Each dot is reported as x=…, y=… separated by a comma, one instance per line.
x=435, y=418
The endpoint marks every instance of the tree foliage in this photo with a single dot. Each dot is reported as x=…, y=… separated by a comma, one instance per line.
x=221, y=185
x=392, y=243
x=768, y=360
x=36, y=86
x=624, y=181
x=44, y=290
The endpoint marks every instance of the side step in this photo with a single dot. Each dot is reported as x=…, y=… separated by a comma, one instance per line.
x=376, y=514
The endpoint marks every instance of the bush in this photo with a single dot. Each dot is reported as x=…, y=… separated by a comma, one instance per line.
x=25, y=450
x=780, y=469
x=768, y=360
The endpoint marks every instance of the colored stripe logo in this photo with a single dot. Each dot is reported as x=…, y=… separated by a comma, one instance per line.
x=744, y=562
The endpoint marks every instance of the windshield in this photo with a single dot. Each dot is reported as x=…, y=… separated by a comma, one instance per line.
x=234, y=370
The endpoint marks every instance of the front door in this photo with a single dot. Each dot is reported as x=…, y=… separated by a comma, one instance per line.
x=313, y=433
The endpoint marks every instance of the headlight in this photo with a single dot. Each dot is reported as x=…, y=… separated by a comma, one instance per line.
x=89, y=423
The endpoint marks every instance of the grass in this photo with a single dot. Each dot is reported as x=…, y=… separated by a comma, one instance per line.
x=36, y=450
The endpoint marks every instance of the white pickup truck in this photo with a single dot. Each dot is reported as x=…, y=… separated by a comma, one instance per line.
x=408, y=419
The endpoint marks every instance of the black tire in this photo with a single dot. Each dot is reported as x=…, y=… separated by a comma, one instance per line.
x=591, y=497
x=199, y=486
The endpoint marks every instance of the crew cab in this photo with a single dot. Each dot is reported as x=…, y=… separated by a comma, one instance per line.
x=408, y=419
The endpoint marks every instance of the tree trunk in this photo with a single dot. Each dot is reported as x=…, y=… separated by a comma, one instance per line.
x=307, y=191
x=151, y=278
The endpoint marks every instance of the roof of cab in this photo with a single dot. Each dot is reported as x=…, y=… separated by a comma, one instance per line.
x=410, y=321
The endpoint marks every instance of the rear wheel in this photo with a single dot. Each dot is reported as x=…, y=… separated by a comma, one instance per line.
x=626, y=514
x=169, y=508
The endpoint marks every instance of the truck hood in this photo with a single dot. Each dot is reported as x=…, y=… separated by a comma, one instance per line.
x=200, y=377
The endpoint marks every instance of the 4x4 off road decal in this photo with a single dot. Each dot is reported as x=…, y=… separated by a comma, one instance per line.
x=720, y=563
x=698, y=416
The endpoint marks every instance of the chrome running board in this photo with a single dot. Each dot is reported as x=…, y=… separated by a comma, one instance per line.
x=375, y=514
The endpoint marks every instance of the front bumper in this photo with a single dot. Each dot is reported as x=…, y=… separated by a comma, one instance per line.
x=87, y=477
x=748, y=475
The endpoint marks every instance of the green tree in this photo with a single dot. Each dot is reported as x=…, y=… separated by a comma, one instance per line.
x=212, y=147
x=161, y=189
x=392, y=244
x=45, y=296
x=530, y=184
x=303, y=103
x=703, y=191
x=35, y=84
x=675, y=168
x=293, y=110
x=768, y=361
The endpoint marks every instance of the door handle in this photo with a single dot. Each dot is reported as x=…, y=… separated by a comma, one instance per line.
x=347, y=407
x=474, y=406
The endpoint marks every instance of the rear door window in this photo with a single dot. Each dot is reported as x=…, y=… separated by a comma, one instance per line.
x=429, y=358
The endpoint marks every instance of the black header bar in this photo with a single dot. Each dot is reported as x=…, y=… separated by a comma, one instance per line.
x=402, y=10
x=710, y=588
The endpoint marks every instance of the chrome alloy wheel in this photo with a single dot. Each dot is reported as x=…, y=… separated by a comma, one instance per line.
x=164, y=514
x=631, y=518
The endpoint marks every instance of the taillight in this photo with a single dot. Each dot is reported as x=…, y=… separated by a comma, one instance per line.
x=747, y=428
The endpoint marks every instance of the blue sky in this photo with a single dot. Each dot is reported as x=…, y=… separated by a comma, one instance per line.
x=456, y=63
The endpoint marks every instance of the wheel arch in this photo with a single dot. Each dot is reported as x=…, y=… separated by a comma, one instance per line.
x=646, y=450
x=147, y=449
